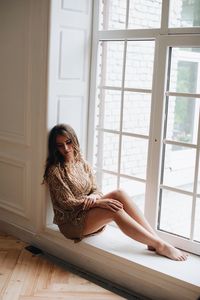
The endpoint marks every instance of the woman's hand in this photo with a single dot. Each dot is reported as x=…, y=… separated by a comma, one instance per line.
x=89, y=202
x=93, y=196
x=111, y=204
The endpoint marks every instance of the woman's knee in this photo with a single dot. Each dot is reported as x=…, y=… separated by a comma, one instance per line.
x=118, y=194
x=121, y=196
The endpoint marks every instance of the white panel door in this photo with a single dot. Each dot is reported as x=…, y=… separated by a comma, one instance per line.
x=69, y=65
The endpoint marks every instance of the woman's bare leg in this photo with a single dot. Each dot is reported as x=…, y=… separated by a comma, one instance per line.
x=98, y=217
x=132, y=210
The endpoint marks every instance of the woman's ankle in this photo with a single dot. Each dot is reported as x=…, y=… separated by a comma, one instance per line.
x=159, y=244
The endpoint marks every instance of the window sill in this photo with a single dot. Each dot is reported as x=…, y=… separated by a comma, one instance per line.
x=130, y=265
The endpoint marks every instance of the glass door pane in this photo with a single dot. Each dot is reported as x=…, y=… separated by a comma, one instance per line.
x=109, y=182
x=110, y=151
x=112, y=14
x=144, y=14
x=175, y=214
x=183, y=117
x=136, y=114
x=139, y=64
x=111, y=107
x=180, y=150
x=185, y=70
x=179, y=167
x=184, y=13
x=134, y=156
x=135, y=189
x=111, y=63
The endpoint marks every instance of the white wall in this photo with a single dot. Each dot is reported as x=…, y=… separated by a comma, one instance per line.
x=23, y=81
x=44, y=79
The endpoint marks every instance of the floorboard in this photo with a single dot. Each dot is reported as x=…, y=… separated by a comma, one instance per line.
x=26, y=276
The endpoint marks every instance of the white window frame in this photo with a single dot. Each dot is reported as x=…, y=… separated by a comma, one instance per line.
x=156, y=131
x=164, y=38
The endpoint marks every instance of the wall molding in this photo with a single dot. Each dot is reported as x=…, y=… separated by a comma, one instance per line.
x=24, y=209
x=82, y=51
x=72, y=8
x=24, y=137
x=74, y=104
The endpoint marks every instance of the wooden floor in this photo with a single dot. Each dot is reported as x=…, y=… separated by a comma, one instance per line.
x=26, y=276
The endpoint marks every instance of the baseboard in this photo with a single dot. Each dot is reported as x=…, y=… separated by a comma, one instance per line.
x=17, y=231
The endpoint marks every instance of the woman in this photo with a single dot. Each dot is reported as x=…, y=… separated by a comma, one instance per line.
x=80, y=209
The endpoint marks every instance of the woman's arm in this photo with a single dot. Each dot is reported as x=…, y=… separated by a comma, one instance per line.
x=109, y=203
x=60, y=192
x=95, y=193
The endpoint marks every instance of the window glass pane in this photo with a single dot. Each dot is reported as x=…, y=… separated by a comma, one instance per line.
x=139, y=64
x=134, y=156
x=144, y=14
x=179, y=167
x=109, y=183
x=112, y=14
x=110, y=151
x=184, y=70
x=111, y=104
x=175, y=213
x=135, y=189
x=184, y=13
x=183, y=118
x=136, y=115
x=197, y=222
x=111, y=62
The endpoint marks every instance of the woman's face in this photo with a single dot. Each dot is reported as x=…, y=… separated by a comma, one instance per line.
x=65, y=147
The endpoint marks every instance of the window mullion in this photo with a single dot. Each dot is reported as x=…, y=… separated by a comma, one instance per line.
x=174, y=189
x=127, y=13
x=195, y=184
x=142, y=136
x=93, y=83
x=121, y=114
x=165, y=17
x=135, y=90
x=165, y=141
x=188, y=95
x=105, y=15
x=155, y=133
x=166, y=114
x=164, y=136
x=130, y=34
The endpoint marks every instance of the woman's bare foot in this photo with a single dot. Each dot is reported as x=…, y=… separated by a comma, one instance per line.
x=171, y=252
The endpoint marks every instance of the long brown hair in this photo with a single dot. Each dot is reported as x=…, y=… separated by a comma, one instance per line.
x=54, y=156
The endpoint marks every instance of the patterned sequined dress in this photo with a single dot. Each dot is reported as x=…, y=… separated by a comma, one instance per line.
x=68, y=185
